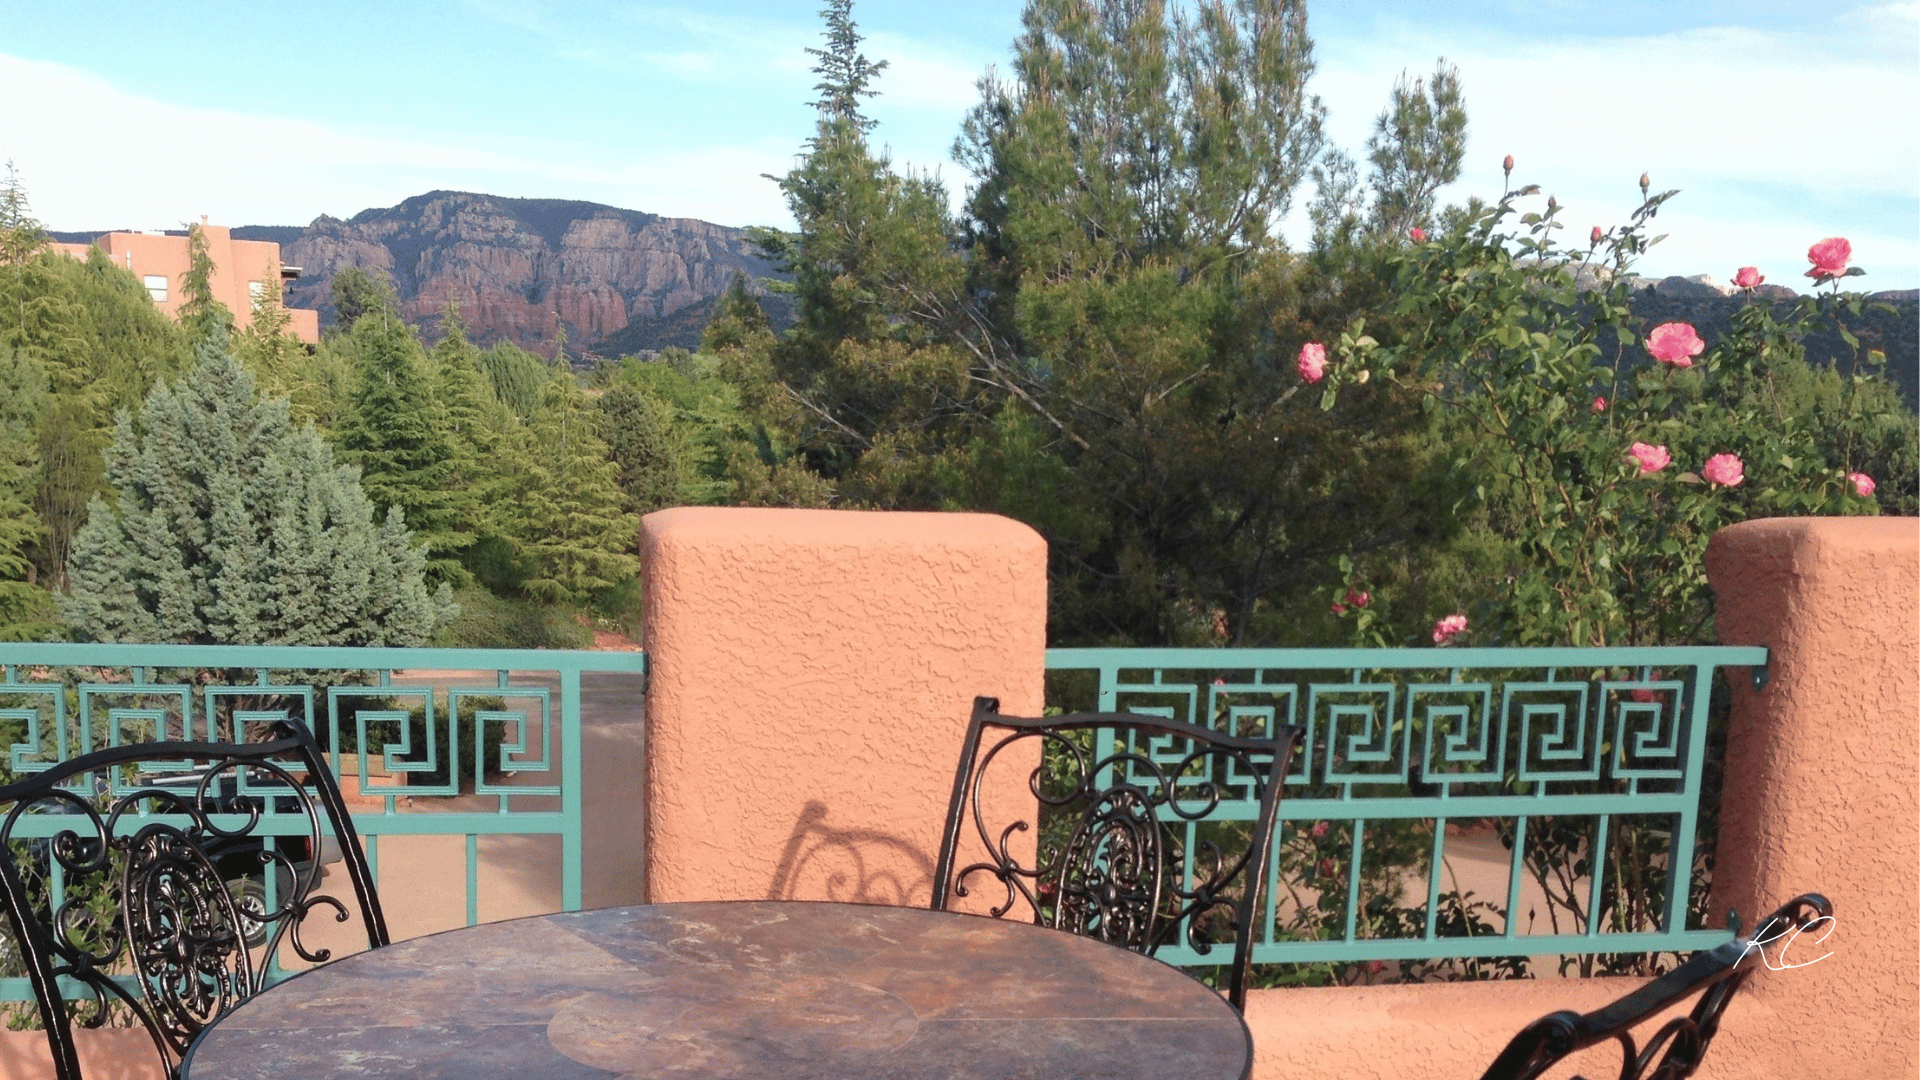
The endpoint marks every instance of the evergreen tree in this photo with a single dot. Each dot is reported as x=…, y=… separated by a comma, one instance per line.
x=266, y=348
x=479, y=428
x=395, y=430
x=357, y=294
x=232, y=526
x=200, y=314
x=845, y=73
x=570, y=526
x=91, y=332
x=25, y=609
x=1417, y=146
x=643, y=445
x=517, y=376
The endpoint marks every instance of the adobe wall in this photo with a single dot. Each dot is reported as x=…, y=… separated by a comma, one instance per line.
x=1823, y=781
x=810, y=676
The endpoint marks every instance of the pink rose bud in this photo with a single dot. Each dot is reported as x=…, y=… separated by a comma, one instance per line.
x=1600, y=404
x=1651, y=458
x=1448, y=627
x=1645, y=182
x=1337, y=608
x=1642, y=695
x=1358, y=599
x=1595, y=236
x=1313, y=361
x=1507, y=165
x=1326, y=867
x=1829, y=258
x=1418, y=234
x=1863, y=484
x=1724, y=469
x=1748, y=276
x=1675, y=343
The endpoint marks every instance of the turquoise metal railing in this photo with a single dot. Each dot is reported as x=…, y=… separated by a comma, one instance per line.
x=465, y=743
x=1402, y=743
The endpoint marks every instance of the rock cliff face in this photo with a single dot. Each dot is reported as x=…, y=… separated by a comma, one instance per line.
x=521, y=269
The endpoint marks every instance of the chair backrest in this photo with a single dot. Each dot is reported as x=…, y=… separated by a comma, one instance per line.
x=1676, y=1048
x=1118, y=795
x=155, y=862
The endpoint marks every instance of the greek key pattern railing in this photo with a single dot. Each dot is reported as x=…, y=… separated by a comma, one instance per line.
x=1417, y=759
x=459, y=743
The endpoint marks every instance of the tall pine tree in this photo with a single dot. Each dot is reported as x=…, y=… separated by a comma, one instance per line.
x=395, y=430
x=570, y=525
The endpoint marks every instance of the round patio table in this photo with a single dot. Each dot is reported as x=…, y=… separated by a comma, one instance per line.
x=742, y=990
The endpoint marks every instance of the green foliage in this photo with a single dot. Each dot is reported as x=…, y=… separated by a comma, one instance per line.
x=90, y=330
x=844, y=70
x=232, y=526
x=25, y=610
x=489, y=621
x=1417, y=147
x=201, y=316
x=396, y=431
x=570, y=525
x=357, y=294
x=644, y=446
x=1592, y=549
x=517, y=376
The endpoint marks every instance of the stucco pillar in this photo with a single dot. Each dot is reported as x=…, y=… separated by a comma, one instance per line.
x=1823, y=784
x=810, y=678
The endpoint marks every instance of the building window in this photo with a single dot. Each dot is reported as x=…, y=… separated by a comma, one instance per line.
x=156, y=287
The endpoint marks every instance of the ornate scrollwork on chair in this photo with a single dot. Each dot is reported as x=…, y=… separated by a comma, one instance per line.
x=108, y=882
x=1121, y=871
x=1675, y=1049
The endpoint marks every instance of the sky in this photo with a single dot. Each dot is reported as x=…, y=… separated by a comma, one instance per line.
x=1780, y=122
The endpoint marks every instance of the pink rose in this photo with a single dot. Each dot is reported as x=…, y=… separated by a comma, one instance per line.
x=1651, y=458
x=1326, y=867
x=1862, y=483
x=1319, y=829
x=1337, y=608
x=1829, y=258
x=1446, y=628
x=1724, y=469
x=1313, y=361
x=1675, y=343
x=1643, y=694
x=1748, y=276
x=1596, y=235
x=1418, y=234
x=1600, y=404
x=1358, y=599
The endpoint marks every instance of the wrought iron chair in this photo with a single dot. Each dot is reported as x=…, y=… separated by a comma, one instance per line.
x=120, y=875
x=1120, y=792
x=1677, y=1047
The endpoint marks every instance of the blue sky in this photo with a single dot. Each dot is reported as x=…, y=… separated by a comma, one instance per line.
x=1782, y=123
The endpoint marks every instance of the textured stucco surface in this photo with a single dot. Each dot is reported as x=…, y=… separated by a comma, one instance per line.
x=811, y=674
x=1823, y=779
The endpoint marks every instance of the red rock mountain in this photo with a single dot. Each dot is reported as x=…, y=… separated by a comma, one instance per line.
x=620, y=281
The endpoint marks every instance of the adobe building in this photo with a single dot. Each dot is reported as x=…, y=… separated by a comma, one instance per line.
x=241, y=269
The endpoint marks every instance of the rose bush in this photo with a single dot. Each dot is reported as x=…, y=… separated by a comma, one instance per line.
x=1556, y=402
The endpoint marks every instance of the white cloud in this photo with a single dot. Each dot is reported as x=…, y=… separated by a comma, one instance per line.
x=1770, y=135
x=94, y=156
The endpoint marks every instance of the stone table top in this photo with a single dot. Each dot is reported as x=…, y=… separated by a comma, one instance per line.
x=742, y=990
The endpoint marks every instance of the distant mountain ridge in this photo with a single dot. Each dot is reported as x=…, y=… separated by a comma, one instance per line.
x=521, y=270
